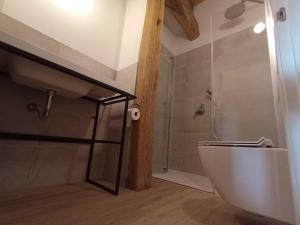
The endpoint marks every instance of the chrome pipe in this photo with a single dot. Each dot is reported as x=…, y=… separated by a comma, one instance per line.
x=43, y=114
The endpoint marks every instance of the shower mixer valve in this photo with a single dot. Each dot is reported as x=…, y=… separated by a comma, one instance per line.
x=200, y=110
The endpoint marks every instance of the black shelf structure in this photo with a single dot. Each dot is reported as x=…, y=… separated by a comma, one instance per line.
x=119, y=97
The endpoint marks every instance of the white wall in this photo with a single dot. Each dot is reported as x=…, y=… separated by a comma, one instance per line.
x=132, y=32
x=1, y=4
x=221, y=27
x=130, y=45
x=95, y=31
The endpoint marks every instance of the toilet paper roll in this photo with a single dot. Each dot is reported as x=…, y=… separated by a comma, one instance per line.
x=135, y=113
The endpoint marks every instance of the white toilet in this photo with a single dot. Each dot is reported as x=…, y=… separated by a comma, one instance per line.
x=254, y=179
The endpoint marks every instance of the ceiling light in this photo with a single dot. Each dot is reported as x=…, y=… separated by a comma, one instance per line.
x=259, y=27
x=77, y=7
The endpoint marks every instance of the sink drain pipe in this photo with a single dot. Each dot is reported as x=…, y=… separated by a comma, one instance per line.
x=42, y=113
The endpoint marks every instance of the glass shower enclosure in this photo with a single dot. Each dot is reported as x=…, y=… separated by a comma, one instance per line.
x=162, y=116
x=221, y=90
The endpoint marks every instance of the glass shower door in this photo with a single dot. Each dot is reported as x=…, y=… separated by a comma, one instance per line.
x=241, y=78
x=162, y=117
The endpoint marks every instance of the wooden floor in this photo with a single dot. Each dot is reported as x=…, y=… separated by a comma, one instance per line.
x=164, y=204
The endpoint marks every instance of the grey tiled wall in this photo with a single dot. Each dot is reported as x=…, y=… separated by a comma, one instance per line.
x=192, y=79
x=126, y=76
x=32, y=164
x=243, y=89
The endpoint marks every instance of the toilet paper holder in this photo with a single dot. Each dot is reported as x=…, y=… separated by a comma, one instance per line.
x=136, y=105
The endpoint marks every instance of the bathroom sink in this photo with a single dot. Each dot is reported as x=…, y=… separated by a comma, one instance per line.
x=28, y=73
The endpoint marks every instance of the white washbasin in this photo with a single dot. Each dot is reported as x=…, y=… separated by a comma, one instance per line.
x=28, y=73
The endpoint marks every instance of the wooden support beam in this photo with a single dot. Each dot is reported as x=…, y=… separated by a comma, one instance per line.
x=196, y=2
x=183, y=11
x=142, y=135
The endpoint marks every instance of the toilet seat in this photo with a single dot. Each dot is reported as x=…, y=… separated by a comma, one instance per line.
x=261, y=143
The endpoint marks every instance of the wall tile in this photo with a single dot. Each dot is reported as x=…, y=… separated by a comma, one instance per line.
x=178, y=108
x=243, y=90
x=177, y=142
x=180, y=75
x=177, y=124
x=15, y=165
x=33, y=164
x=198, y=124
x=192, y=79
x=180, y=61
x=199, y=55
x=127, y=77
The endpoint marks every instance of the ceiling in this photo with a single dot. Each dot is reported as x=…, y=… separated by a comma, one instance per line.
x=203, y=11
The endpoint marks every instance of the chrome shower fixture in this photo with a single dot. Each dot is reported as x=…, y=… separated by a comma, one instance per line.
x=200, y=110
x=238, y=9
x=209, y=92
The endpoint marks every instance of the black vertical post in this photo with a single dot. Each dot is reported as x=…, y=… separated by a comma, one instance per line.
x=122, y=147
x=96, y=118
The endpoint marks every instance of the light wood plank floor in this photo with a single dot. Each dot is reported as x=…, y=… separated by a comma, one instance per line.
x=164, y=204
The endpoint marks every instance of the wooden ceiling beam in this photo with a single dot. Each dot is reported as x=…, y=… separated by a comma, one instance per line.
x=196, y=2
x=183, y=11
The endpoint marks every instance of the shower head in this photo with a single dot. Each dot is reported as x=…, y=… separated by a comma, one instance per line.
x=238, y=9
x=235, y=11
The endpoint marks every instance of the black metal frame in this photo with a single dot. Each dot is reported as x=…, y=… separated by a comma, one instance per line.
x=121, y=97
